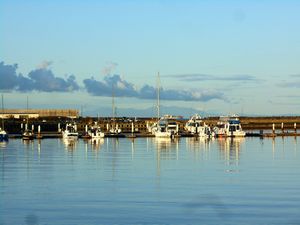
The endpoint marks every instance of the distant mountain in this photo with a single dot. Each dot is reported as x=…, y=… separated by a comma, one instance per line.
x=150, y=112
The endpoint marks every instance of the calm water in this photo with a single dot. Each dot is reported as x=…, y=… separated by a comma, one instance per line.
x=150, y=181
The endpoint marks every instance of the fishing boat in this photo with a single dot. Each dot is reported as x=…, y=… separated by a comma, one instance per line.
x=229, y=126
x=167, y=127
x=3, y=134
x=70, y=132
x=198, y=127
x=93, y=132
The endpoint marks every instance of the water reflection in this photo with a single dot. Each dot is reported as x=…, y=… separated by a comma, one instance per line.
x=28, y=144
x=70, y=144
x=3, y=144
x=167, y=148
x=132, y=148
x=197, y=143
x=230, y=149
x=96, y=143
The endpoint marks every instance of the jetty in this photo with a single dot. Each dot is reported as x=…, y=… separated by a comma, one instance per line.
x=51, y=126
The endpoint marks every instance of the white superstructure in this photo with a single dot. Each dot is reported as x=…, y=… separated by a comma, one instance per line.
x=229, y=126
x=197, y=126
x=70, y=131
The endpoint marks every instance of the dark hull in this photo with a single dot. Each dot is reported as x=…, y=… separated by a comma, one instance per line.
x=3, y=137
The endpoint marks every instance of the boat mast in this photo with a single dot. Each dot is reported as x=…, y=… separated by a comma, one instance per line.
x=158, y=92
x=2, y=113
x=113, y=103
x=27, y=111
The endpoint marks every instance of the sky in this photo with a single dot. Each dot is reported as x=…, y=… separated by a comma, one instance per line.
x=213, y=57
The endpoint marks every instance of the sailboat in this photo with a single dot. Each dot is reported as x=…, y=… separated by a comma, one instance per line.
x=27, y=134
x=166, y=126
x=3, y=134
x=114, y=131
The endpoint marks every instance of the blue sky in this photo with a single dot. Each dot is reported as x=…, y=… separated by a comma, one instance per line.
x=215, y=56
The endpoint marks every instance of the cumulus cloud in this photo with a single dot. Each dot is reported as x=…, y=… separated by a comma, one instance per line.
x=110, y=85
x=41, y=79
x=115, y=84
x=206, y=77
x=8, y=76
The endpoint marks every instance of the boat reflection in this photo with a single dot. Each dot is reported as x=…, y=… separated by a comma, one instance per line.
x=95, y=143
x=230, y=148
x=197, y=143
x=167, y=148
x=70, y=144
x=3, y=144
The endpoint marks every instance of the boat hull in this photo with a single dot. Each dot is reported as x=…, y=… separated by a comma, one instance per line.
x=3, y=137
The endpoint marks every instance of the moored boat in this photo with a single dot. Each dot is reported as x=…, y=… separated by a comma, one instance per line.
x=93, y=132
x=198, y=127
x=229, y=126
x=70, y=131
x=3, y=135
x=166, y=127
x=28, y=135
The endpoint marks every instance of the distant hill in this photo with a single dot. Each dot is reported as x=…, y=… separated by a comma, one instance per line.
x=150, y=112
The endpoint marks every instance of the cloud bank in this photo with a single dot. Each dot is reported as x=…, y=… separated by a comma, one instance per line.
x=41, y=79
x=114, y=84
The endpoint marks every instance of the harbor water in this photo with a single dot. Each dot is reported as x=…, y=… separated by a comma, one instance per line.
x=150, y=181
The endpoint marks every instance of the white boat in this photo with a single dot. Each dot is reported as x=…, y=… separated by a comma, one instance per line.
x=93, y=132
x=197, y=126
x=220, y=128
x=70, y=131
x=114, y=130
x=229, y=127
x=27, y=133
x=3, y=134
x=166, y=127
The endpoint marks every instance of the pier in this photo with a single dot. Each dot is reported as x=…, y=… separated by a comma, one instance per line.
x=51, y=127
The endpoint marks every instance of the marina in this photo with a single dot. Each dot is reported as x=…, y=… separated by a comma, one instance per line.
x=176, y=127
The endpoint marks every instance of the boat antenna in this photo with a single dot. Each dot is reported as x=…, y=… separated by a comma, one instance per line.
x=2, y=113
x=158, y=93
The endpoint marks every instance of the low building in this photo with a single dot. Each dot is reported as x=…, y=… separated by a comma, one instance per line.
x=35, y=113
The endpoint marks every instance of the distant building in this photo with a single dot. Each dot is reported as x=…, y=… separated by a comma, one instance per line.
x=35, y=113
